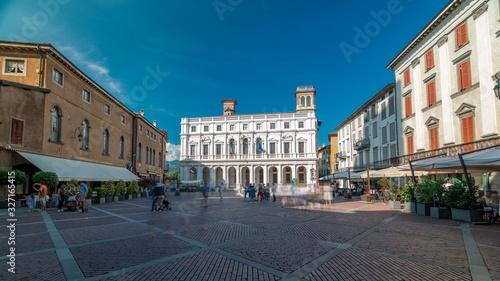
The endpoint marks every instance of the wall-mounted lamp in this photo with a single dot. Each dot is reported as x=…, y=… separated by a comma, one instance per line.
x=80, y=135
x=496, y=89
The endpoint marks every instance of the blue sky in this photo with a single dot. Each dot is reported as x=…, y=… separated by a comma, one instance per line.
x=196, y=52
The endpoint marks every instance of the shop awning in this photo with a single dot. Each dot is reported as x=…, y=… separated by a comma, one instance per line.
x=343, y=175
x=67, y=169
x=481, y=161
x=390, y=172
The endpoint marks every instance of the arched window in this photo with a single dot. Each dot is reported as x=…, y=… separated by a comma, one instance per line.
x=55, y=124
x=85, y=134
x=308, y=101
x=105, y=143
x=159, y=159
x=150, y=155
x=139, y=153
x=122, y=144
x=231, y=147
x=147, y=155
x=245, y=146
x=154, y=157
x=303, y=101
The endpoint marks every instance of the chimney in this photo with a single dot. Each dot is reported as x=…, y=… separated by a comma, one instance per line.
x=154, y=123
x=229, y=106
x=142, y=112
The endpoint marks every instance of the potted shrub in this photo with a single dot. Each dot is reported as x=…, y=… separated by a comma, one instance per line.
x=408, y=196
x=110, y=191
x=463, y=202
x=136, y=189
x=8, y=178
x=424, y=197
x=130, y=192
x=121, y=190
x=101, y=194
x=438, y=211
x=392, y=192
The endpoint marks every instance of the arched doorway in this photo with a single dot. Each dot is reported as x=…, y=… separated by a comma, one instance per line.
x=287, y=175
x=273, y=175
x=206, y=176
x=302, y=175
x=259, y=175
x=193, y=174
x=231, y=178
x=245, y=176
x=218, y=176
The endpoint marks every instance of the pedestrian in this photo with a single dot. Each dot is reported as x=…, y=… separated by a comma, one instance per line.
x=42, y=192
x=159, y=191
x=60, y=193
x=221, y=188
x=82, y=196
x=260, y=193
x=204, y=192
x=245, y=191
x=251, y=193
x=273, y=189
x=31, y=202
x=327, y=195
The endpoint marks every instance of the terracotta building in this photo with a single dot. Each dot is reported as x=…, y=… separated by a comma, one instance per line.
x=50, y=108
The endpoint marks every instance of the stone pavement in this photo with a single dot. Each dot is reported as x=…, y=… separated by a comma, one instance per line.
x=235, y=239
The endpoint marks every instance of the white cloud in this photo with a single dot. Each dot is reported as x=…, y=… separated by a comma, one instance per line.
x=97, y=71
x=173, y=152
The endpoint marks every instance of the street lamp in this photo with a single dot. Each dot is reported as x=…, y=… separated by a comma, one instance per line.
x=497, y=86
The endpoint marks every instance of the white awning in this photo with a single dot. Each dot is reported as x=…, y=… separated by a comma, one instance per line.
x=67, y=169
x=481, y=161
x=343, y=175
x=391, y=172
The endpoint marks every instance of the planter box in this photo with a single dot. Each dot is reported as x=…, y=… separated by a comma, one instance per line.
x=144, y=194
x=97, y=200
x=347, y=196
x=413, y=207
x=466, y=215
x=439, y=212
x=395, y=205
x=135, y=196
x=88, y=202
x=407, y=206
x=108, y=199
x=366, y=198
x=121, y=197
x=115, y=198
x=128, y=196
x=423, y=209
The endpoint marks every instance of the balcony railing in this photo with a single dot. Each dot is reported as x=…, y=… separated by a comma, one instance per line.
x=362, y=144
x=340, y=155
x=251, y=156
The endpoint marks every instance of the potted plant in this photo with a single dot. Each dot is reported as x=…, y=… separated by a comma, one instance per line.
x=424, y=196
x=121, y=190
x=101, y=194
x=130, y=192
x=136, y=189
x=110, y=191
x=7, y=179
x=408, y=196
x=463, y=202
x=392, y=192
x=438, y=211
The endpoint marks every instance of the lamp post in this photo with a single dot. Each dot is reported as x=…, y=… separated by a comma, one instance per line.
x=496, y=89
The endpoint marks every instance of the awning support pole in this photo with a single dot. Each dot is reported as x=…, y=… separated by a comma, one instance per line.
x=462, y=162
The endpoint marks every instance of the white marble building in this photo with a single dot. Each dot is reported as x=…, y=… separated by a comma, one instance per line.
x=252, y=148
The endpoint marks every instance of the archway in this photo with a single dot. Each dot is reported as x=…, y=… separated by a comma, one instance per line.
x=302, y=175
x=193, y=174
x=287, y=175
x=206, y=176
x=231, y=179
x=259, y=175
x=273, y=175
x=218, y=176
x=245, y=176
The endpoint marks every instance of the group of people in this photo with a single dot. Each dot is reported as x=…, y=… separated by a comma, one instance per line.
x=74, y=194
x=261, y=192
x=159, y=194
x=491, y=199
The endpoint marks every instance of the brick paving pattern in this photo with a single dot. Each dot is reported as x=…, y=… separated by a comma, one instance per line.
x=233, y=239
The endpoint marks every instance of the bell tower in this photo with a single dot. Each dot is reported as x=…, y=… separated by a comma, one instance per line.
x=305, y=97
x=229, y=106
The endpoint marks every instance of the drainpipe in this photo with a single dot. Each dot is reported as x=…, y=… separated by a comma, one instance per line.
x=40, y=70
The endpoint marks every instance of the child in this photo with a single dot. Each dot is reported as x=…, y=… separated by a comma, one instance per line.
x=30, y=202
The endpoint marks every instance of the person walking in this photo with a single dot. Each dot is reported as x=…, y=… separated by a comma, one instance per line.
x=61, y=197
x=221, y=188
x=42, y=192
x=159, y=190
x=273, y=189
x=82, y=196
x=251, y=193
x=204, y=192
